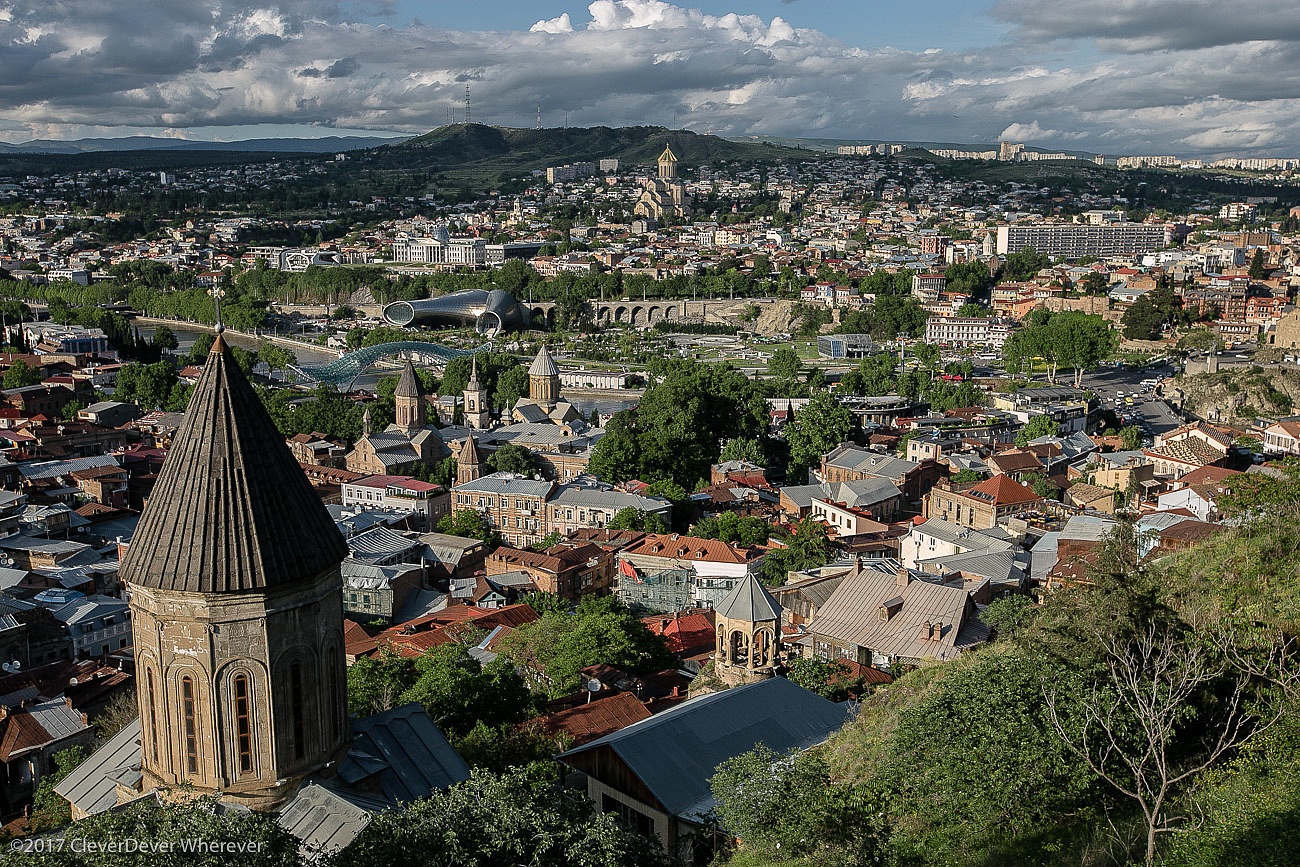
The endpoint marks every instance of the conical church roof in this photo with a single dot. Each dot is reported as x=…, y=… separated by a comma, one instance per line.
x=232, y=510
x=750, y=601
x=543, y=364
x=409, y=384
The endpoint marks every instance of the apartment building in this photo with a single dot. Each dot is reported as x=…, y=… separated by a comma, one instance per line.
x=1072, y=240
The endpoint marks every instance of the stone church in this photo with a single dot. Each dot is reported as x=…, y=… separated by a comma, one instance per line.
x=664, y=195
x=236, y=607
x=407, y=444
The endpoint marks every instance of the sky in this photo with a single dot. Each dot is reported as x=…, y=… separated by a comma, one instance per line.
x=1185, y=77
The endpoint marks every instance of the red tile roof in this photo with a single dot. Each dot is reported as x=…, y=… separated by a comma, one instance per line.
x=685, y=631
x=1002, y=490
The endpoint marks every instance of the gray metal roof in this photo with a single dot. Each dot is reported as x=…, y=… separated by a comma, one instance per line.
x=543, y=364
x=92, y=785
x=326, y=820
x=50, y=469
x=749, y=600
x=508, y=484
x=405, y=752
x=676, y=752
x=852, y=616
x=380, y=543
x=232, y=510
x=57, y=718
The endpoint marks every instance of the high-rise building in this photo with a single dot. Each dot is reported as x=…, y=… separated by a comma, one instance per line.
x=1072, y=240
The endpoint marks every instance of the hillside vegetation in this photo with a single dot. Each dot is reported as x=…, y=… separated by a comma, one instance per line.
x=472, y=150
x=1153, y=717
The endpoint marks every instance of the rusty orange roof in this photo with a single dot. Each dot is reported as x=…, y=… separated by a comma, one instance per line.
x=587, y=722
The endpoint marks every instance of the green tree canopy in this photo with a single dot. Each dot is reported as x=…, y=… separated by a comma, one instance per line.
x=600, y=630
x=818, y=427
x=492, y=820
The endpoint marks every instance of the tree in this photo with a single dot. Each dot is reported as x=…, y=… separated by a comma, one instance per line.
x=199, y=351
x=677, y=429
x=275, y=357
x=792, y=805
x=1151, y=725
x=458, y=692
x=469, y=524
x=829, y=678
x=785, y=364
x=966, y=476
x=819, y=427
x=50, y=810
x=600, y=630
x=1037, y=426
x=21, y=374
x=500, y=820
x=1256, y=271
x=512, y=384
x=731, y=527
x=164, y=339
x=377, y=683
x=807, y=548
x=167, y=832
x=1024, y=264
x=511, y=458
x=742, y=449
x=1130, y=438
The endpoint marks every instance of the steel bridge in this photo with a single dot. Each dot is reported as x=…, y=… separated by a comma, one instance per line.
x=347, y=368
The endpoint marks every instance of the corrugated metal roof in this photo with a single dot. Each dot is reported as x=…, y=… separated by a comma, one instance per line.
x=676, y=752
x=50, y=469
x=326, y=820
x=852, y=617
x=92, y=784
x=405, y=751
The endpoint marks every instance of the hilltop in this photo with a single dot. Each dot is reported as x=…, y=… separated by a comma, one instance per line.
x=472, y=151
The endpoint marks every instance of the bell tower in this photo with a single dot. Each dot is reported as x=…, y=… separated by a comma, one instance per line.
x=408, y=401
x=237, y=608
x=667, y=164
x=469, y=463
x=477, y=406
x=748, y=628
x=544, y=380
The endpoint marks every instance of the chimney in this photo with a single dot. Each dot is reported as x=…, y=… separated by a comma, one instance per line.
x=936, y=631
x=902, y=577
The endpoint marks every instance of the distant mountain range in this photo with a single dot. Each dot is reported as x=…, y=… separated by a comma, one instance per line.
x=329, y=144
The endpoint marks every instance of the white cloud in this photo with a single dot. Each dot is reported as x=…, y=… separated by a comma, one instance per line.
x=561, y=24
x=80, y=64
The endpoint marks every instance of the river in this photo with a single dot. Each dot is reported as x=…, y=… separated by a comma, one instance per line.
x=312, y=356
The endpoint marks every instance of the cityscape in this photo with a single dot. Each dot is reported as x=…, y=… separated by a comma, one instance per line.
x=650, y=433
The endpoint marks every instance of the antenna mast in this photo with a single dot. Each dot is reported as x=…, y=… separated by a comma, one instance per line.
x=539, y=117
x=467, y=102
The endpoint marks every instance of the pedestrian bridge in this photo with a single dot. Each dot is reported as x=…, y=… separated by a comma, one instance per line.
x=348, y=367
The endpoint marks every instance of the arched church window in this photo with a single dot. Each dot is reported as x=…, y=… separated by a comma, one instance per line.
x=189, y=725
x=299, y=720
x=153, y=716
x=243, y=725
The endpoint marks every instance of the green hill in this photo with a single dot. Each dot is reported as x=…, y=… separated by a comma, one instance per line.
x=471, y=151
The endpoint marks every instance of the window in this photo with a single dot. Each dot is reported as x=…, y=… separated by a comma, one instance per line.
x=295, y=703
x=243, y=725
x=153, y=717
x=189, y=725
x=336, y=701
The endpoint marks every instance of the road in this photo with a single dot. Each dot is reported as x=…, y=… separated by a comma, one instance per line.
x=1108, y=382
